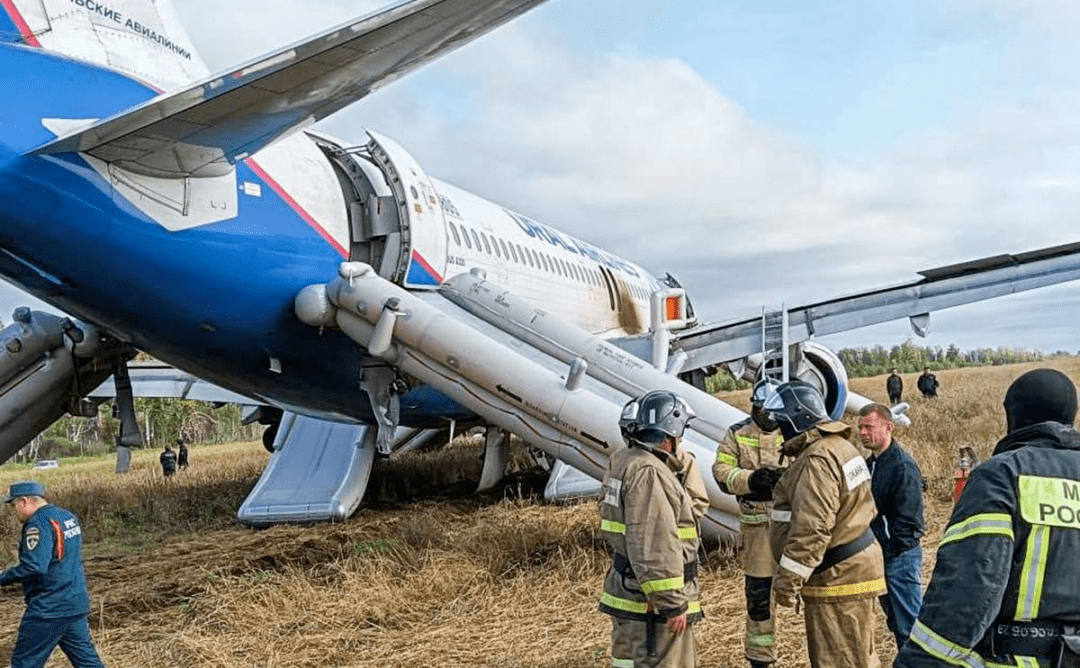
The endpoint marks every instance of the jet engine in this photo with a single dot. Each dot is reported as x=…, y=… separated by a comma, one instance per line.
x=810, y=362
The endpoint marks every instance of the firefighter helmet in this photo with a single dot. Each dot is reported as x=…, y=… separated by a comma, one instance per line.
x=654, y=416
x=797, y=404
x=763, y=389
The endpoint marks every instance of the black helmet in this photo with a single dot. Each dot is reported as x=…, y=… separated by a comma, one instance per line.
x=763, y=389
x=798, y=405
x=654, y=416
x=1040, y=395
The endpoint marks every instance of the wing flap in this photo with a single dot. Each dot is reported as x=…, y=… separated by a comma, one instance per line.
x=205, y=129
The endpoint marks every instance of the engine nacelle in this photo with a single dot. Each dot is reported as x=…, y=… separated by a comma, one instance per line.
x=810, y=362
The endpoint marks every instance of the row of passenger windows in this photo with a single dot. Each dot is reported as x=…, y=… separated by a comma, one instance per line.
x=493, y=245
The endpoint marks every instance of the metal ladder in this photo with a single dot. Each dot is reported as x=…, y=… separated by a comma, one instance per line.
x=774, y=344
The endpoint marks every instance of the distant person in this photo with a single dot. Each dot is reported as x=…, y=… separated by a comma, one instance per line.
x=928, y=384
x=898, y=486
x=894, y=385
x=648, y=518
x=1005, y=589
x=50, y=570
x=181, y=460
x=748, y=466
x=168, y=461
x=821, y=537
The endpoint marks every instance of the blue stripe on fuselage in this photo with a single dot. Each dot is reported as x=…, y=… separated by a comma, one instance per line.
x=214, y=300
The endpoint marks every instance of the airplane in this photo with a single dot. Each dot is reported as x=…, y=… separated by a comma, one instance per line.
x=359, y=302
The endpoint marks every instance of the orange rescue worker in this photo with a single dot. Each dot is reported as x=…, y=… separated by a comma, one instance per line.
x=649, y=520
x=821, y=537
x=747, y=466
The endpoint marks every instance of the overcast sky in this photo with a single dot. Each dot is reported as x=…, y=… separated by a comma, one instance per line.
x=763, y=153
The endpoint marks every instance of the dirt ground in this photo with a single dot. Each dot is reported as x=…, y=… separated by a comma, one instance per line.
x=499, y=580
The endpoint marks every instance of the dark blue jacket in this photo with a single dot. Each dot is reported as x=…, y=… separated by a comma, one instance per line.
x=1007, y=559
x=897, y=484
x=50, y=565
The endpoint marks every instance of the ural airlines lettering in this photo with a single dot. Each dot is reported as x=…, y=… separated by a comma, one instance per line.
x=116, y=17
x=540, y=231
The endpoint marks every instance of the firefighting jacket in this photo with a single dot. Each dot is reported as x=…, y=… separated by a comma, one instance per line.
x=647, y=517
x=823, y=501
x=50, y=565
x=745, y=449
x=688, y=472
x=1007, y=562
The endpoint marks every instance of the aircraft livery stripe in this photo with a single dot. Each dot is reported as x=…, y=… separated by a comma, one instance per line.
x=276, y=187
x=20, y=23
x=419, y=260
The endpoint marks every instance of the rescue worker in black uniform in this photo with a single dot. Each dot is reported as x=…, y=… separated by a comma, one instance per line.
x=1006, y=587
x=50, y=570
x=168, y=461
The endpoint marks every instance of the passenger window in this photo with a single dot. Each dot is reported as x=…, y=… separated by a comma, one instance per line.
x=487, y=246
x=535, y=256
x=453, y=229
x=465, y=233
x=476, y=238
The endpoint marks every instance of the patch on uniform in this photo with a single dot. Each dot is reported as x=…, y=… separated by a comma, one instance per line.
x=856, y=472
x=33, y=538
x=612, y=491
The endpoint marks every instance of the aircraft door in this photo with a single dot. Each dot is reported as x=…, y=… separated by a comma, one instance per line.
x=423, y=229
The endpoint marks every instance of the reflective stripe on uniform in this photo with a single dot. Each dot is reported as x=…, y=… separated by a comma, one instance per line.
x=731, y=477
x=1031, y=575
x=867, y=587
x=623, y=604
x=795, y=567
x=748, y=441
x=667, y=584
x=937, y=646
x=1026, y=661
x=725, y=458
x=687, y=533
x=760, y=639
x=693, y=607
x=622, y=663
x=761, y=518
x=781, y=515
x=984, y=524
x=611, y=526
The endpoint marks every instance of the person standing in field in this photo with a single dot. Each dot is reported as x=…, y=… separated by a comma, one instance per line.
x=821, y=537
x=50, y=571
x=1006, y=587
x=168, y=461
x=928, y=383
x=748, y=466
x=649, y=519
x=898, y=486
x=182, y=454
x=894, y=385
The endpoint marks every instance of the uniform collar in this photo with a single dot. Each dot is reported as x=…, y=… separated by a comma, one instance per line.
x=1043, y=434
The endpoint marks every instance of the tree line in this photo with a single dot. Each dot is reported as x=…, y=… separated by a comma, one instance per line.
x=905, y=357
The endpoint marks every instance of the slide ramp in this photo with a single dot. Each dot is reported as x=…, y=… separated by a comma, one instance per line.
x=318, y=472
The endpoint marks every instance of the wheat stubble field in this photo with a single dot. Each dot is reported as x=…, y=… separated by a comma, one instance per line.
x=448, y=579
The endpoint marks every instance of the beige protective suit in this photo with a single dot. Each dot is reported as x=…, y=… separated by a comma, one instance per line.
x=824, y=501
x=745, y=449
x=649, y=520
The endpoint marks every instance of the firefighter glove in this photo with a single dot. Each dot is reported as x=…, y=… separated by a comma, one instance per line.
x=763, y=480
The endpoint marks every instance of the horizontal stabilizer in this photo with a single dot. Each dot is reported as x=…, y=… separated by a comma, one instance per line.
x=205, y=129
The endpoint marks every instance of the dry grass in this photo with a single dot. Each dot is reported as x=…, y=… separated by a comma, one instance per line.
x=496, y=580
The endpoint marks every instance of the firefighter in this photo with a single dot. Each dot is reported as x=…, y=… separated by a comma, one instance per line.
x=1005, y=589
x=747, y=466
x=649, y=519
x=821, y=537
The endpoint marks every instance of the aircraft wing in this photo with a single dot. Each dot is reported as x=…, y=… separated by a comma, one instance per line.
x=205, y=129
x=940, y=288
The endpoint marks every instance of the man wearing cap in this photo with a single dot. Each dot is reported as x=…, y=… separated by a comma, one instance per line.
x=53, y=582
x=1005, y=589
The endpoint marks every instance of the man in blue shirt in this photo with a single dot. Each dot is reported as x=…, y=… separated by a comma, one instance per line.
x=50, y=570
x=897, y=485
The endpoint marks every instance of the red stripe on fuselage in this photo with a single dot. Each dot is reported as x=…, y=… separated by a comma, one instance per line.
x=276, y=187
x=20, y=22
x=427, y=267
